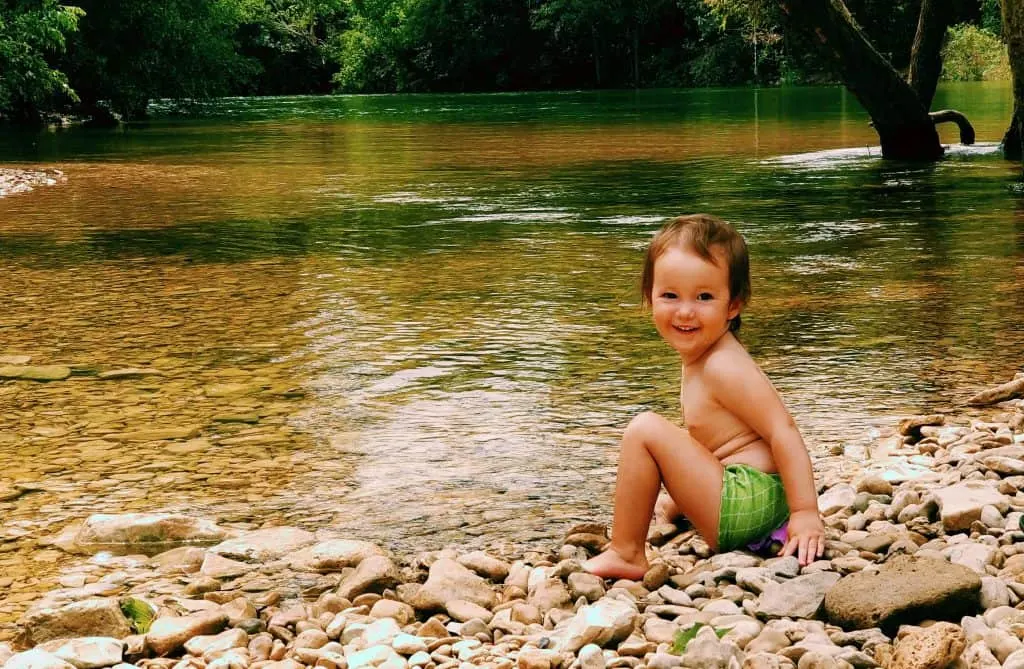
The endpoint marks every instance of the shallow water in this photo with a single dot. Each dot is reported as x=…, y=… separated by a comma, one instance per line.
x=414, y=318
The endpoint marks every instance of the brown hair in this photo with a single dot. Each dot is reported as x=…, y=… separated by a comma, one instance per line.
x=701, y=233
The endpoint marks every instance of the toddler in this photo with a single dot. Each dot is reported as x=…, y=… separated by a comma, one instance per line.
x=740, y=468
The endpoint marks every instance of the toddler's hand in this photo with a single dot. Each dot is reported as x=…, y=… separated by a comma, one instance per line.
x=806, y=537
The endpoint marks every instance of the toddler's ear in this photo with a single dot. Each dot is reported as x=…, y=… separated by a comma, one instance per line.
x=735, y=307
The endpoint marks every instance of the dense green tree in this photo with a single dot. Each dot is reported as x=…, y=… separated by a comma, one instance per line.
x=128, y=52
x=292, y=40
x=32, y=34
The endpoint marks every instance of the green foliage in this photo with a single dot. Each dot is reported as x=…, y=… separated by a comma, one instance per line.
x=139, y=613
x=128, y=52
x=293, y=40
x=685, y=636
x=118, y=55
x=991, y=16
x=372, y=54
x=974, y=54
x=31, y=34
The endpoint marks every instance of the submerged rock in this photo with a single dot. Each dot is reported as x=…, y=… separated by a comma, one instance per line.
x=144, y=532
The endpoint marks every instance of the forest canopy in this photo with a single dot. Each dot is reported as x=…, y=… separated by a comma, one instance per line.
x=107, y=58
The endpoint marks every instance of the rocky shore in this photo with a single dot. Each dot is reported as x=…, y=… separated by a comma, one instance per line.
x=13, y=181
x=924, y=569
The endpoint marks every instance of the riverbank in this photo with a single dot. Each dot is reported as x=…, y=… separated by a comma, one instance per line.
x=14, y=180
x=928, y=528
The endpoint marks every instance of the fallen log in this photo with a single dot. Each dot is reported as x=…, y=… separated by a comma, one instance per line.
x=1006, y=391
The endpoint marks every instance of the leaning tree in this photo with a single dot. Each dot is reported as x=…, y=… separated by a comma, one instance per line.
x=899, y=108
x=1013, y=35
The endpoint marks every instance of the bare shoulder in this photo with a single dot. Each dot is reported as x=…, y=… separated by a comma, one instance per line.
x=730, y=364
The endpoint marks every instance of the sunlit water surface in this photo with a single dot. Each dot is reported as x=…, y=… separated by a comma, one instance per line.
x=415, y=318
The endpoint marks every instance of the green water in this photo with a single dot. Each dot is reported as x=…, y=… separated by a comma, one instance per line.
x=447, y=284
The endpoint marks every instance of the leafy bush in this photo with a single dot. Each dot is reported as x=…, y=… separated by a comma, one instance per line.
x=30, y=33
x=974, y=54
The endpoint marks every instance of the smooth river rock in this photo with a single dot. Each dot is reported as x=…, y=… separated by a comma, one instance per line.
x=89, y=652
x=169, y=634
x=906, y=590
x=961, y=504
x=608, y=621
x=265, y=545
x=449, y=580
x=136, y=531
x=89, y=617
x=800, y=597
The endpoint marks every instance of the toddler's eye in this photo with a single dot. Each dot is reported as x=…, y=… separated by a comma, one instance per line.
x=704, y=297
x=669, y=296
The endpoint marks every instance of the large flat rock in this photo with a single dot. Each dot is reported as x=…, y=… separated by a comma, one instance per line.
x=800, y=597
x=86, y=618
x=266, y=544
x=961, y=504
x=906, y=590
x=148, y=533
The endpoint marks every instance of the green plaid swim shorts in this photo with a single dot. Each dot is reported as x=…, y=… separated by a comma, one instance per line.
x=753, y=504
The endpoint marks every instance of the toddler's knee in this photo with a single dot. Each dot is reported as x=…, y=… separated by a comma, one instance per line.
x=643, y=425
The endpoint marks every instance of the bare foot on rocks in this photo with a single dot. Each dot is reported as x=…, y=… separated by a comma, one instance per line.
x=610, y=564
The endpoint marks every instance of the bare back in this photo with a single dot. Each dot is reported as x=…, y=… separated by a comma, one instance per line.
x=716, y=428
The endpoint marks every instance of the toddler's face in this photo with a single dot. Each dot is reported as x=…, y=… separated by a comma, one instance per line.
x=691, y=302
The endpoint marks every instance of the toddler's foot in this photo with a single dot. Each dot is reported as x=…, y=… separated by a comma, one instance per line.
x=610, y=564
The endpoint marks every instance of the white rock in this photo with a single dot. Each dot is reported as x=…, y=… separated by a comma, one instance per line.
x=994, y=592
x=264, y=545
x=373, y=656
x=336, y=554
x=36, y=658
x=90, y=652
x=800, y=597
x=961, y=504
x=607, y=621
x=236, y=658
x=1001, y=643
x=591, y=657
x=710, y=653
x=140, y=529
x=836, y=498
x=978, y=656
x=1015, y=660
x=971, y=555
x=232, y=638
x=485, y=565
x=381, y=631
x=449, y=580
x=409, y=644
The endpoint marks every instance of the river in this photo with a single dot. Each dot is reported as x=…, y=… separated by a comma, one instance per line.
x=416, y=319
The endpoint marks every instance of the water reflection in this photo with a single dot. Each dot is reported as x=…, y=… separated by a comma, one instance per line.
x=422, y=326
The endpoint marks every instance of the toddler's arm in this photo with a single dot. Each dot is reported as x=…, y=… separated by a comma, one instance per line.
x=740, y=386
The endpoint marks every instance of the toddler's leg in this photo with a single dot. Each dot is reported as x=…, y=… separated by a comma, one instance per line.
x=654, y=451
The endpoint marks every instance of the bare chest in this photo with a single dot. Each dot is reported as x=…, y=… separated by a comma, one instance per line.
x=706, y=420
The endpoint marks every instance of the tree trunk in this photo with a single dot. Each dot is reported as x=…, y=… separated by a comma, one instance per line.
x=926, y=54
x=902, y=122
x=1013, y=34
x=636, y=55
